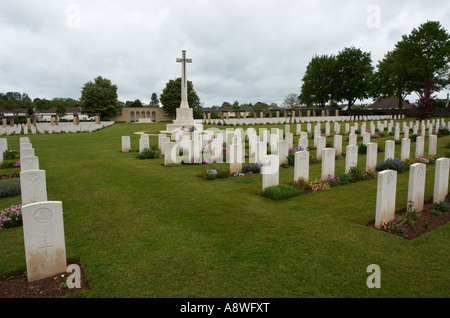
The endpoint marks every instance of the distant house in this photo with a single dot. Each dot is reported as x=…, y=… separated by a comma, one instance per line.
x=389, y=103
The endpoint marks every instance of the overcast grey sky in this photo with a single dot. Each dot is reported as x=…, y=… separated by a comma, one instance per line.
x=244, y=50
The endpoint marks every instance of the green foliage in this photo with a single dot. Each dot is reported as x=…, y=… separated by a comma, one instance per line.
x=318, y=81
x=345, y=178
x=410, y=217
x=7, y=164
x=150, y=153
x=99, y=96
x=393, y=164
x=251, y=168
x=438, y=208
x=354, y=69
x=280, y=192
x=360, y=174
x=171, y=98
x=302, y=184
x=444, y=131
x=154, y=100
x=413, y=137
x=10, y=155
x=425, y=53
x=362, y=149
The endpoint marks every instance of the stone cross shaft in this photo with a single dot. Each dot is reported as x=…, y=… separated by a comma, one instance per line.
x=183, y=61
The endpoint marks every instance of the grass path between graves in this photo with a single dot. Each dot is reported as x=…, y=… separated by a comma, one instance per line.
x=144, y=230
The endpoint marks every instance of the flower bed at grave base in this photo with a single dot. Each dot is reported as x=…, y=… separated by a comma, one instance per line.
x=411, y=224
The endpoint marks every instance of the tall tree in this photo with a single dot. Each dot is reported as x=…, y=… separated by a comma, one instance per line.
x=154, y=100
x=353, y=73
x=317, y=87
x=423, y=54
x=171, y=98
x=99, y=96
x=291, y=101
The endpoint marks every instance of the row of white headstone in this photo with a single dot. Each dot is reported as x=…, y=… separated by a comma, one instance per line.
x=43, y=225
x=47, y=128
x=387, y=186
x=292, y=120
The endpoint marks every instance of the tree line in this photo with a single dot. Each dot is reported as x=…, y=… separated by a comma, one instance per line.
x=419, y=63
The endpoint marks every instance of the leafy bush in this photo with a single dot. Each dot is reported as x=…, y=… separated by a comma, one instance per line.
x=410, y=217
x=413, y=137
x=393, y=164
x=10, y=155
x=9, y=164
x=280, y=192
x=438, y=208
x=9, y=187
x=332, y=181
x=362, y=149
x=11, y=217
x=150, y=153
x=443, y=130
x=291, y=158
x=360, y=174
x=302, y=184
x=251, y=168
x=345, y=178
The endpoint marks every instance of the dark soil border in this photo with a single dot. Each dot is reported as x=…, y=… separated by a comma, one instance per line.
x=425, y=223
x=17, y=286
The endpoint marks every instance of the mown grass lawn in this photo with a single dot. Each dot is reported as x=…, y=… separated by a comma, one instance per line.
x=144, y=230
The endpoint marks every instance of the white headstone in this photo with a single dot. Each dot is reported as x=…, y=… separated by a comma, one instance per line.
x=351, y=157
x=126, y=143
x=338, y=144
x=389, y=152
x=290, y=139
x=416, y=186
x=29, y=163
x=386, y=193
x=441, y=180
x=352, y=139
x=371, y=157
x=235, y=159
x=143, y=144
x=283, y=151
x=28, y=152
x=33, y=186
x=321, y=144
x=270, y=171
x=301, y=165
x=432, y=145
x=328, y=162
x=366, y=138
x=303, y=143
x=419, y=146
x=170, y=155
x=45, y=249
x=406, y=149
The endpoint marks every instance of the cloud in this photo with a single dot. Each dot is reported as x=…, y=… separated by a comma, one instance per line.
x=242, y=50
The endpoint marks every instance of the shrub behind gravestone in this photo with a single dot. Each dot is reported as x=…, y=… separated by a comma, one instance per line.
x=392, y=164
x=280, y=192
x=251, y=167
